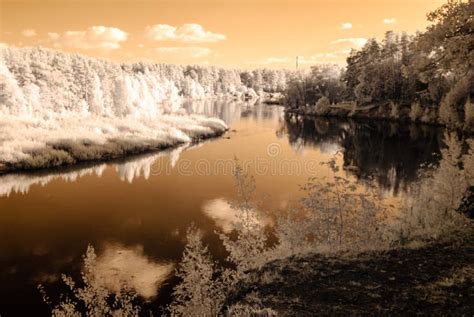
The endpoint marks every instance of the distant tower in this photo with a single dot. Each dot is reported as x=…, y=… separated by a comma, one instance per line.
x=297, y=62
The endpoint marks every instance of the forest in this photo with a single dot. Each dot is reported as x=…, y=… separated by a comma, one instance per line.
x=107, y=110
x=427, y=77
x=38, y=80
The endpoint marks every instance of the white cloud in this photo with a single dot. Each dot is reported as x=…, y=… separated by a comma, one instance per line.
x=181, y=52
x=315, y=59
x=95, y=37
x=275, y=60
x=29, y=33
x=389, y=21
x=324, y=57
x=318, y=58
x=3, y=45
x=346, y=26
x=190, y=32
x=355, y=41
x=344, y=52
x=161, y=32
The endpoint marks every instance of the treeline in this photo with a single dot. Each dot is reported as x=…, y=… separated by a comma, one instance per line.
x=428, y=77
x=37, y=81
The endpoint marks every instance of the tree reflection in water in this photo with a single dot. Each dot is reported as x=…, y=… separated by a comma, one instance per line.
x=387, y=152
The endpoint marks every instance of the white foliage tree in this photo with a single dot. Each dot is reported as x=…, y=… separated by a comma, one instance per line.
x=250, y=248
x=92, y=297
x=202, y=289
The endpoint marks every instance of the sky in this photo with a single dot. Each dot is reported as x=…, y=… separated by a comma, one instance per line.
x=229, y=33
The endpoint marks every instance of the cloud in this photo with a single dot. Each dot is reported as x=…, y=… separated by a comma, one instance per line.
x=29, y=33
x=346, y=26
x=3, y=45
x=355, y=41
x=389, y=20
x=190, y=33
x=318, y=58
x=324, y=57
x=95, y=37
x=181, y=52
x=274, y=60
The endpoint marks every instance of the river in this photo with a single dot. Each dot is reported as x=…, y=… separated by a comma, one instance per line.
x=135, y=211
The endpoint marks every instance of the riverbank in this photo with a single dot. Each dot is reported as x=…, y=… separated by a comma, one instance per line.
x=71, y=151
x=371, y=111
x=383, y=112
x=433, y=280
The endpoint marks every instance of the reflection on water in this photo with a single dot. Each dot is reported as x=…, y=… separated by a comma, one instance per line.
x=119, y=267
x=127, y=169
x=222, y=213
x=21, y=183
x=228, y=111
x=226, y=216
x=388, y=152
x=134, y=167
x=48, y=218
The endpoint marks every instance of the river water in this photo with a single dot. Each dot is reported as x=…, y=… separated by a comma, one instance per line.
x=135, y=211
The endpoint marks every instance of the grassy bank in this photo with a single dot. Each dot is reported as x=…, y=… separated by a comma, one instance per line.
x=65, y=154
x=433, y=280
x=379, y=112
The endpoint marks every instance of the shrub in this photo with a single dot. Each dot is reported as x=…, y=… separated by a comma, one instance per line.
x=448, y=115
x=432, y=212
x=455, y=98
x=199, y=293
x=427, y=117
x=249, y=249
x=94, y=296
x=416, y=111
x=394, y=110
x=322, y=105
x=469, y=115
x=335, y=216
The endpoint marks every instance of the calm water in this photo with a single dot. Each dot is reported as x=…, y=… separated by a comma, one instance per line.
x=135, y=212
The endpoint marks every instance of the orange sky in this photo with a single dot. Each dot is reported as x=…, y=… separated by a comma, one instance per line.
x=230, y=33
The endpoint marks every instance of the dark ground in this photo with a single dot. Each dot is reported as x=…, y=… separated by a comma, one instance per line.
x=433, y=280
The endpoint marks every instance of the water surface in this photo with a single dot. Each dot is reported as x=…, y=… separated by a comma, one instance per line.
x=135, y=211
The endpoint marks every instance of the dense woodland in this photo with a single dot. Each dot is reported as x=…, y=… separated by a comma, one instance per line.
x=37, y=81
x=426, y=77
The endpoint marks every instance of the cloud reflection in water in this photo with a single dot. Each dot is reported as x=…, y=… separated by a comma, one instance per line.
x=225, y=215
x=120, y=266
